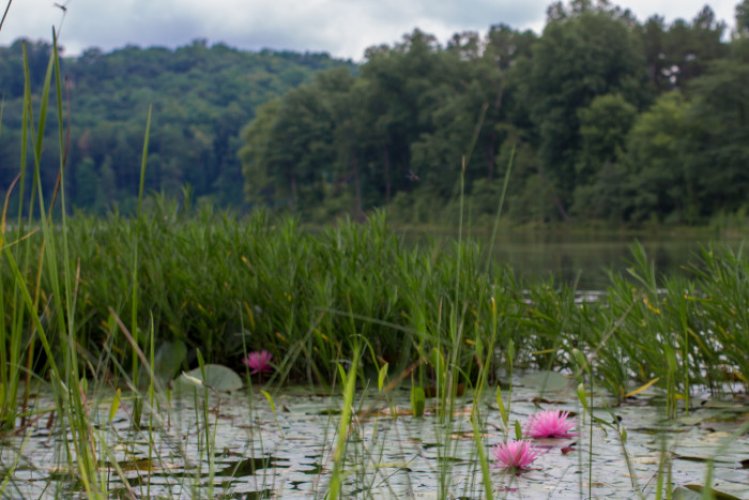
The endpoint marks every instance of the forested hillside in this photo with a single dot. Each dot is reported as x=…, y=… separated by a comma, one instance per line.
x=605, y=117
x=202, y=96
x=609, y=119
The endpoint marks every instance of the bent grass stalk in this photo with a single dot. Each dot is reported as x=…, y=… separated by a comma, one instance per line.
x=134, y=295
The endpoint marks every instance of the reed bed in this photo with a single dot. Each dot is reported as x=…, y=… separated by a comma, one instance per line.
x=226, y=285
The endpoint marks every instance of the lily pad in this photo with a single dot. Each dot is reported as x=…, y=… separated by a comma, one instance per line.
x=166, y=364
x=719, y=447
x=217, y=378
x=696, y=492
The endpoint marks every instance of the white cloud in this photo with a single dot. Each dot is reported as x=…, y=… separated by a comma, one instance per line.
x=345, y=28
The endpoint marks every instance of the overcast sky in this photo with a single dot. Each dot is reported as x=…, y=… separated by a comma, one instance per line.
x=343, y=28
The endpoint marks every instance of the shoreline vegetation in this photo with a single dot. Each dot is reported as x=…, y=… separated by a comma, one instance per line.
x=227, y=285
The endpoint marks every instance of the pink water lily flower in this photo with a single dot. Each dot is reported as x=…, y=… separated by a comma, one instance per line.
x=515, y=455
x=550, y=424
x=258, y=362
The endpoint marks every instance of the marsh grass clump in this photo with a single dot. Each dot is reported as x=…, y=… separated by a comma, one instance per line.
x=216, y=281
x=222, y=284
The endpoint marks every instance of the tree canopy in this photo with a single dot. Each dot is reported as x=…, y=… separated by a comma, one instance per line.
x=201, y=95
x=601, y=116
x=609, y=119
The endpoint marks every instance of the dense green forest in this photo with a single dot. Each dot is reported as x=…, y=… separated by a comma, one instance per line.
x=201, y=95
x=602, y=117
x=609, y=118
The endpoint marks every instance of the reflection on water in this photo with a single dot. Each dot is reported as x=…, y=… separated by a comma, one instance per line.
x=582, y=259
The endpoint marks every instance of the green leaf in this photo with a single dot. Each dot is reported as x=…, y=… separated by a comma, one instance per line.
x=580, y=360
x=217, y=377
x=518, y=430
x=269, y=398
x=381, y=375
x=418, y=401
x=502, y=409
x=582, y=396
x=115, y=405
x=166, y=364
x=342, y=374
x=698, y=491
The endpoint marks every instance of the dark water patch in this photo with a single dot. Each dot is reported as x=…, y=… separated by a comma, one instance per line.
x=249, y=466
x=327, y=411
x=314, y=470
x=136, y=464
x=253, y=495
x=429, y=446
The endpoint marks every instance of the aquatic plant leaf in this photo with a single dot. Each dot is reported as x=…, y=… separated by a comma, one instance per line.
x=697, y=491
x=719, y=447
x=139, y=464
x=723, y=405
x=689, y=420
x=342, y=374
x=166, y=363
x=518, y=430
x=248, y=466
x=582, y=396
x=682, y=493
x=314, y=470
x=580, y=360
x=169, y=358
x=381, y=375
x=418, y=401
x=217, y=377
x=269, y=398
x=642, y=388
x=391, y=465
x=501, y=405
x=328, y=411
x=115, y=405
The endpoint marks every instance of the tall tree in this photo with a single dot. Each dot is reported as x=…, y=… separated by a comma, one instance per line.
x=658, y=177
x=719, y=155
x=587, y=52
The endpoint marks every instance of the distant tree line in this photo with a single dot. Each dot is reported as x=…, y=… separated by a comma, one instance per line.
x=602, y=117
x=201, y=96
x=608, y=119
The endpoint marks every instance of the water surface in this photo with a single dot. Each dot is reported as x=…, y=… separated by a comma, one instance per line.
x=584, y=259
x=287, y=453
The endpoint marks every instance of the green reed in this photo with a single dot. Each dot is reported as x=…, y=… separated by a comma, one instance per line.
x=296, y=291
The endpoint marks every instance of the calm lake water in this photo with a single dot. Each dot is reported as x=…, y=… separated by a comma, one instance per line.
x=288, y=453
x=585, y=259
